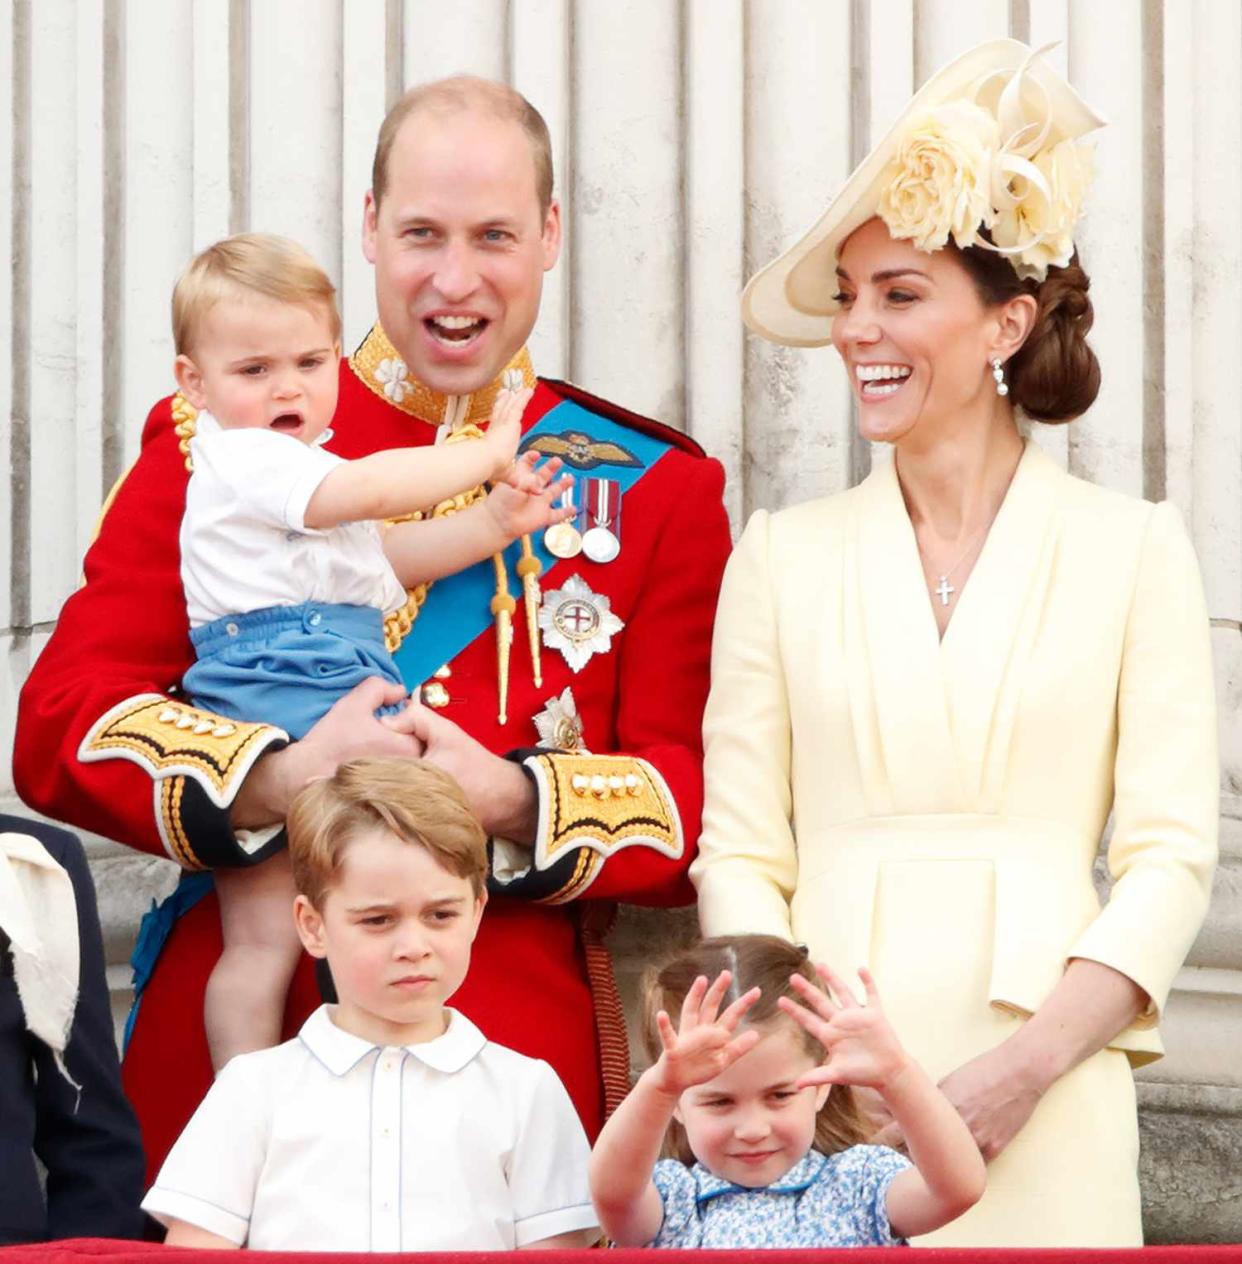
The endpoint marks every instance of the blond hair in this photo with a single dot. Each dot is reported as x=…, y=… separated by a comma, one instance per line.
x=761, y=961
x=456, y=95
x=412, y=800
x=246, y=264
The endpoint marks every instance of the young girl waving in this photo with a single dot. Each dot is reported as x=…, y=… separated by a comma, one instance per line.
x=764, y=1137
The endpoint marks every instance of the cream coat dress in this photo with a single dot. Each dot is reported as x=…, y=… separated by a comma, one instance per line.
x=933, y=808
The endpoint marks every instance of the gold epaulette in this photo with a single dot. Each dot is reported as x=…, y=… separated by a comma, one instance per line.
x=595, y=805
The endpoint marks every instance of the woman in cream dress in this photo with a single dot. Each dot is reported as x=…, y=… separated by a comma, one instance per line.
x=928, y=692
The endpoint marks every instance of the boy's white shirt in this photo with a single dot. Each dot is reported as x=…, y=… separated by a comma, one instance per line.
x=244, y=542
x=330, y=1143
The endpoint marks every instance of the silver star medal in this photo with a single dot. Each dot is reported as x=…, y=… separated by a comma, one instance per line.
x=560, y=725
x=578, y=622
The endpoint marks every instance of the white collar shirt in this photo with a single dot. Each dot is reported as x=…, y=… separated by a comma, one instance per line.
x=245, y=544
x=330, y=1143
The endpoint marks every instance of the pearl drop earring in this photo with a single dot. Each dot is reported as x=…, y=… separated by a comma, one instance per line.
x=998, y=376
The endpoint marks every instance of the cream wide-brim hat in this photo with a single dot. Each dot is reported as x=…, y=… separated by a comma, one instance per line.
x=790, y=301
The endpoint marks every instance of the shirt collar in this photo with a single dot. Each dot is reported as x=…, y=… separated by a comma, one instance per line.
x=799, y=1178
x=378, y=364
x=341, y=1051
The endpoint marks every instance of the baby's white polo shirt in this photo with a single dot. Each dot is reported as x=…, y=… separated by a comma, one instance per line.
x=329, y=1143
x=244, y=541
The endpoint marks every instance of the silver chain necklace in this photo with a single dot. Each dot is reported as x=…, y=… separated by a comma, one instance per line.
x=944, y=590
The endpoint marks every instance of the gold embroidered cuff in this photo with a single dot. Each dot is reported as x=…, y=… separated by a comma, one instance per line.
x=592, y=806
x=171, y=739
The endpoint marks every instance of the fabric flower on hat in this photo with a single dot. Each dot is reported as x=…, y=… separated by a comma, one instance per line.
x=1046, y=217
x=939, y=184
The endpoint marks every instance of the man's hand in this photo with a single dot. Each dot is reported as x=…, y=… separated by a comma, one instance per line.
x=497, y=790
x=525, y=500
x=349, y=730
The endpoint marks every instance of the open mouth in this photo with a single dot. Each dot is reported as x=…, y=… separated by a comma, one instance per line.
x=286, y=422
x=879, y=381
x=455, y=331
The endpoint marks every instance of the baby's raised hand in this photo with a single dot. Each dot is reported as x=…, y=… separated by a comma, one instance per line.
x=862, y=1046
x=524, y=500
x=705, y=1042
x=504, y=431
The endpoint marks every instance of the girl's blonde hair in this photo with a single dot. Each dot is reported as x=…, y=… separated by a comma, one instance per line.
x=761, y=961
x=245, y=264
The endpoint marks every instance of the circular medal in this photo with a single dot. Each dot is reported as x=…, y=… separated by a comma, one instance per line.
x=600, y=545
x=562, y=540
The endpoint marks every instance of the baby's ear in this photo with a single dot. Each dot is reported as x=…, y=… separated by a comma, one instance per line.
x=189, y=380
x=821, y=1096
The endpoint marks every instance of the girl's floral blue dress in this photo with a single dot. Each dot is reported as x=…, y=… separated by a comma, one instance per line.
x=823, y=1200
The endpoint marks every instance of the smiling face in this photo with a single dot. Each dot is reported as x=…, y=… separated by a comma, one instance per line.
x=396, y=928
x=917, y=339
x=752, y=1123
x=260, y=363
x=460, y=245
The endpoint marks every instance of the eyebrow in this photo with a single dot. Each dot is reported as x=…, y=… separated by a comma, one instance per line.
x=887, y=274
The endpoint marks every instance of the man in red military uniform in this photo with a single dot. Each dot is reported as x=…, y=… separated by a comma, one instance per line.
x=564, y=689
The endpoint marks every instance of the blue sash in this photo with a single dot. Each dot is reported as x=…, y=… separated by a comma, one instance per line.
x=458, y=608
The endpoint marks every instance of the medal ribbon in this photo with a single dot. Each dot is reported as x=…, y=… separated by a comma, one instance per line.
x=458, y=608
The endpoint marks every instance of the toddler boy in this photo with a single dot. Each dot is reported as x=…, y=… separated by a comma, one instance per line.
x=390, y=1123
x=287, y=575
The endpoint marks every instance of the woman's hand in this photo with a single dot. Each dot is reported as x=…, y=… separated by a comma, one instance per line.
x=704, y=1043
x=524, y=500
x=994, y=1096
x=862, y=1046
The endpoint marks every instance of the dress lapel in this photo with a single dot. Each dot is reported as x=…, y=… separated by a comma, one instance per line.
x=896, y=683
x=992, y=632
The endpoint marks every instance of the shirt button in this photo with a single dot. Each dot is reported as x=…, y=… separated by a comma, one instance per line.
x=232, y=629
x=315, y=619
x=387, y=1132
x=291, y=536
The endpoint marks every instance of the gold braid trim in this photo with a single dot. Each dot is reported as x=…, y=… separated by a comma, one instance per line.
x=379, y=366
x=184, y=424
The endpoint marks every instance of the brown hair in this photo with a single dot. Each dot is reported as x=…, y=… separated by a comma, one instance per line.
x=761, y=961
x=1054, y=376
x=417, y=802
x=460, y=93
x=248, y=263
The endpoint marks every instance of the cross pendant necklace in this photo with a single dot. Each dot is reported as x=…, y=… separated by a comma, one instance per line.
x=944, y=590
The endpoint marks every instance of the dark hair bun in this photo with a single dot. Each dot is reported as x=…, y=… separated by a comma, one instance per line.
x=1055, y=376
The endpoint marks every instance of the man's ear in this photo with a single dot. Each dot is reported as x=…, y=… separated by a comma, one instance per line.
x=552, y=235
x=370, y=226
x=309, y=921
x=190, y=381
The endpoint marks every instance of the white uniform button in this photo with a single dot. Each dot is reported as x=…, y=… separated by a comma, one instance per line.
x=232, y=629
x=315, y=619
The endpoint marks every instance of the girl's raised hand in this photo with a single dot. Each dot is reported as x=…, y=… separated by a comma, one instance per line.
x=705, y=1042
x=862, y=1046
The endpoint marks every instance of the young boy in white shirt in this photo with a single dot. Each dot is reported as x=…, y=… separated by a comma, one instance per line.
x=390, y=1123
x=287, y=576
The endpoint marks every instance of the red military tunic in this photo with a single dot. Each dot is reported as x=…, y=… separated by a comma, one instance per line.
x=104, y=742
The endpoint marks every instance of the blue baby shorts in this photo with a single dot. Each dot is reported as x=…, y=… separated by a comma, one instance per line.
x=287, y=665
